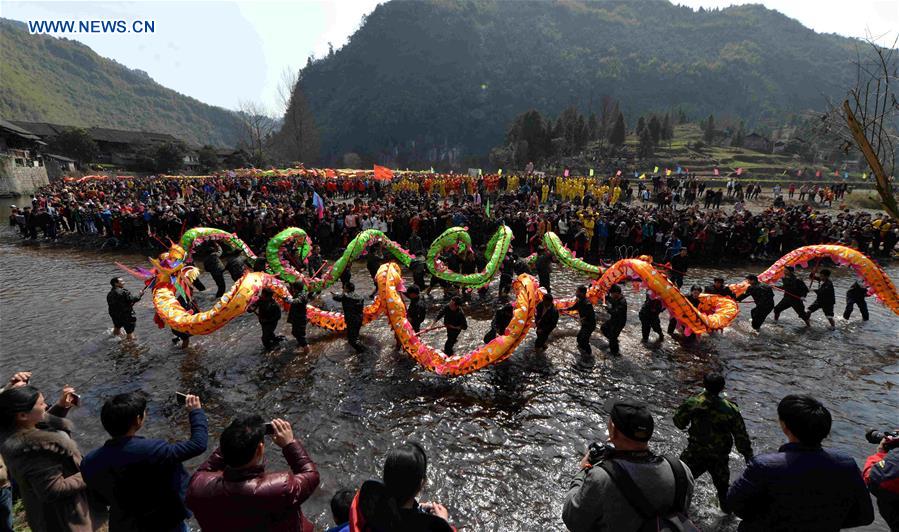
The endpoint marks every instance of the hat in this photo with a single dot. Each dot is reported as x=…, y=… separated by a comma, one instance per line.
x=631, y=418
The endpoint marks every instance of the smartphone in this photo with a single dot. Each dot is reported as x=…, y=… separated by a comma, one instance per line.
x=76, y=399
x=181, y=398
x=269, y=429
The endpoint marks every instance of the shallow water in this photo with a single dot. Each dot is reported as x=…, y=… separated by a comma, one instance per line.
x=503, y=443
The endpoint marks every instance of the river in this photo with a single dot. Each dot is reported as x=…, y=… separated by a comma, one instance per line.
x=503, y=443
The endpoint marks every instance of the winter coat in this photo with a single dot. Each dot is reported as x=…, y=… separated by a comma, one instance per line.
x=800, y=488
x=44, y=462
x=224, y=498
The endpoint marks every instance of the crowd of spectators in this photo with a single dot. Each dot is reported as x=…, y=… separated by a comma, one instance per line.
x=598, y=219
x=139, y=484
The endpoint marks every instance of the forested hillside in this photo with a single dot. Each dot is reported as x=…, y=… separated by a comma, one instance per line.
x=420, y=78
x=45, y=79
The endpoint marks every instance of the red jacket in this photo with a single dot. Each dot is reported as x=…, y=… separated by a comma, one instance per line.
x=223, y=498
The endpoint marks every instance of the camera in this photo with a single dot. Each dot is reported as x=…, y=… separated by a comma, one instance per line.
x=269, y=429
x=181, y=398
x=875, y=436
x=597, y=452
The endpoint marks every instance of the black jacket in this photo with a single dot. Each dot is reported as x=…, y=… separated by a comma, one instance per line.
x=416, y=311
x=617, y=309
x=121, y=304
x=452, y=318
x=352, y=306
x=502, y=317
x=826, y=295
x=761, y=293
x=547, y=317
x=856, y=292
x=585, y=311
x=651, y=308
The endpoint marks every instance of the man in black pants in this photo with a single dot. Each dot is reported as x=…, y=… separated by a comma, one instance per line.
x=296, y=316
x=826, y=297
x=856, y=296
x=616, y=306
x=213, y=264
x=353, y=305
x=794, y=290
x=416, y=310
x=763, y=296
x=121, y=308
x=501, y=319
x=269, y=313
x=649, y=317
x=455, y=322
x=587, y=314
x=545, y=321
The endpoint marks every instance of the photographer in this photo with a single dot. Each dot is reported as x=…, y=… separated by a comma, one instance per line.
x=44, y=461
x=232, y=491
x=129, y=466
x=881, y=474
x=627, y=486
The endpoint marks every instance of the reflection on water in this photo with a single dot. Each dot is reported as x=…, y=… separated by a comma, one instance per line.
x=503, y=442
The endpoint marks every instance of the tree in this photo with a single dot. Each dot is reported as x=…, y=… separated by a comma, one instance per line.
x=641, y=125
x=592, y=127
x=352, y=160
x=655, y=130
x=208, y=158
x=667, y=128
x=645, y=148
x=739, y=136
x=298, y=138
x=531, y=128
x=708, y=131
x=77, y=144
x=256, y=129
x=169, y=157
x=616, y=138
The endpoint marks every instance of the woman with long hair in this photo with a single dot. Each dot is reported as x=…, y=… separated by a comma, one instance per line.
x=44, y=461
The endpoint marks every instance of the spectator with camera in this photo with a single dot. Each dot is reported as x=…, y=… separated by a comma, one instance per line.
x=391, y=504
x=20, y=378
x=881, y=474
x=44, y=461
x=232, y=490
x=128, y=467
x=623, y=485
x=802, y=486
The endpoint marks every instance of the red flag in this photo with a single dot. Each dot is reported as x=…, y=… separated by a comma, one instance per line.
x=383, y=173
x=739, y=171
x=330, y=173
x=716, y=171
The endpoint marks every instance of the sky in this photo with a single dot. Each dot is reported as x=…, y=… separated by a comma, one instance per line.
x=225, y=53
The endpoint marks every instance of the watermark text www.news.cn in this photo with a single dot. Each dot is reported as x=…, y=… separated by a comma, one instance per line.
x=91, y=26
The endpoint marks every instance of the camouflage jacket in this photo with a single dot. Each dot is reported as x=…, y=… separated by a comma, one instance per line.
x=715, y=425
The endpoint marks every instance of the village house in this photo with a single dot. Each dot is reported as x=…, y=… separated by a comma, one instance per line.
x=22, y=168
x=756, y=142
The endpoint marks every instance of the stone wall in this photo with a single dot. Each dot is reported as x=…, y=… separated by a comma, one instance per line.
x=20, y=180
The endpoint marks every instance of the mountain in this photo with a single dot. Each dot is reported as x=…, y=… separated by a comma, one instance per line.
x=419, y=78
x=46, y=79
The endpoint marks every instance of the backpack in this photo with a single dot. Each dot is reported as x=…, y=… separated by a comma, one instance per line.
x=654, y=520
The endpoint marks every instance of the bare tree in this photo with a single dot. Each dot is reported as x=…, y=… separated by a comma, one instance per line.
x=868, y=117
x=298, y=138
x=256, y=130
